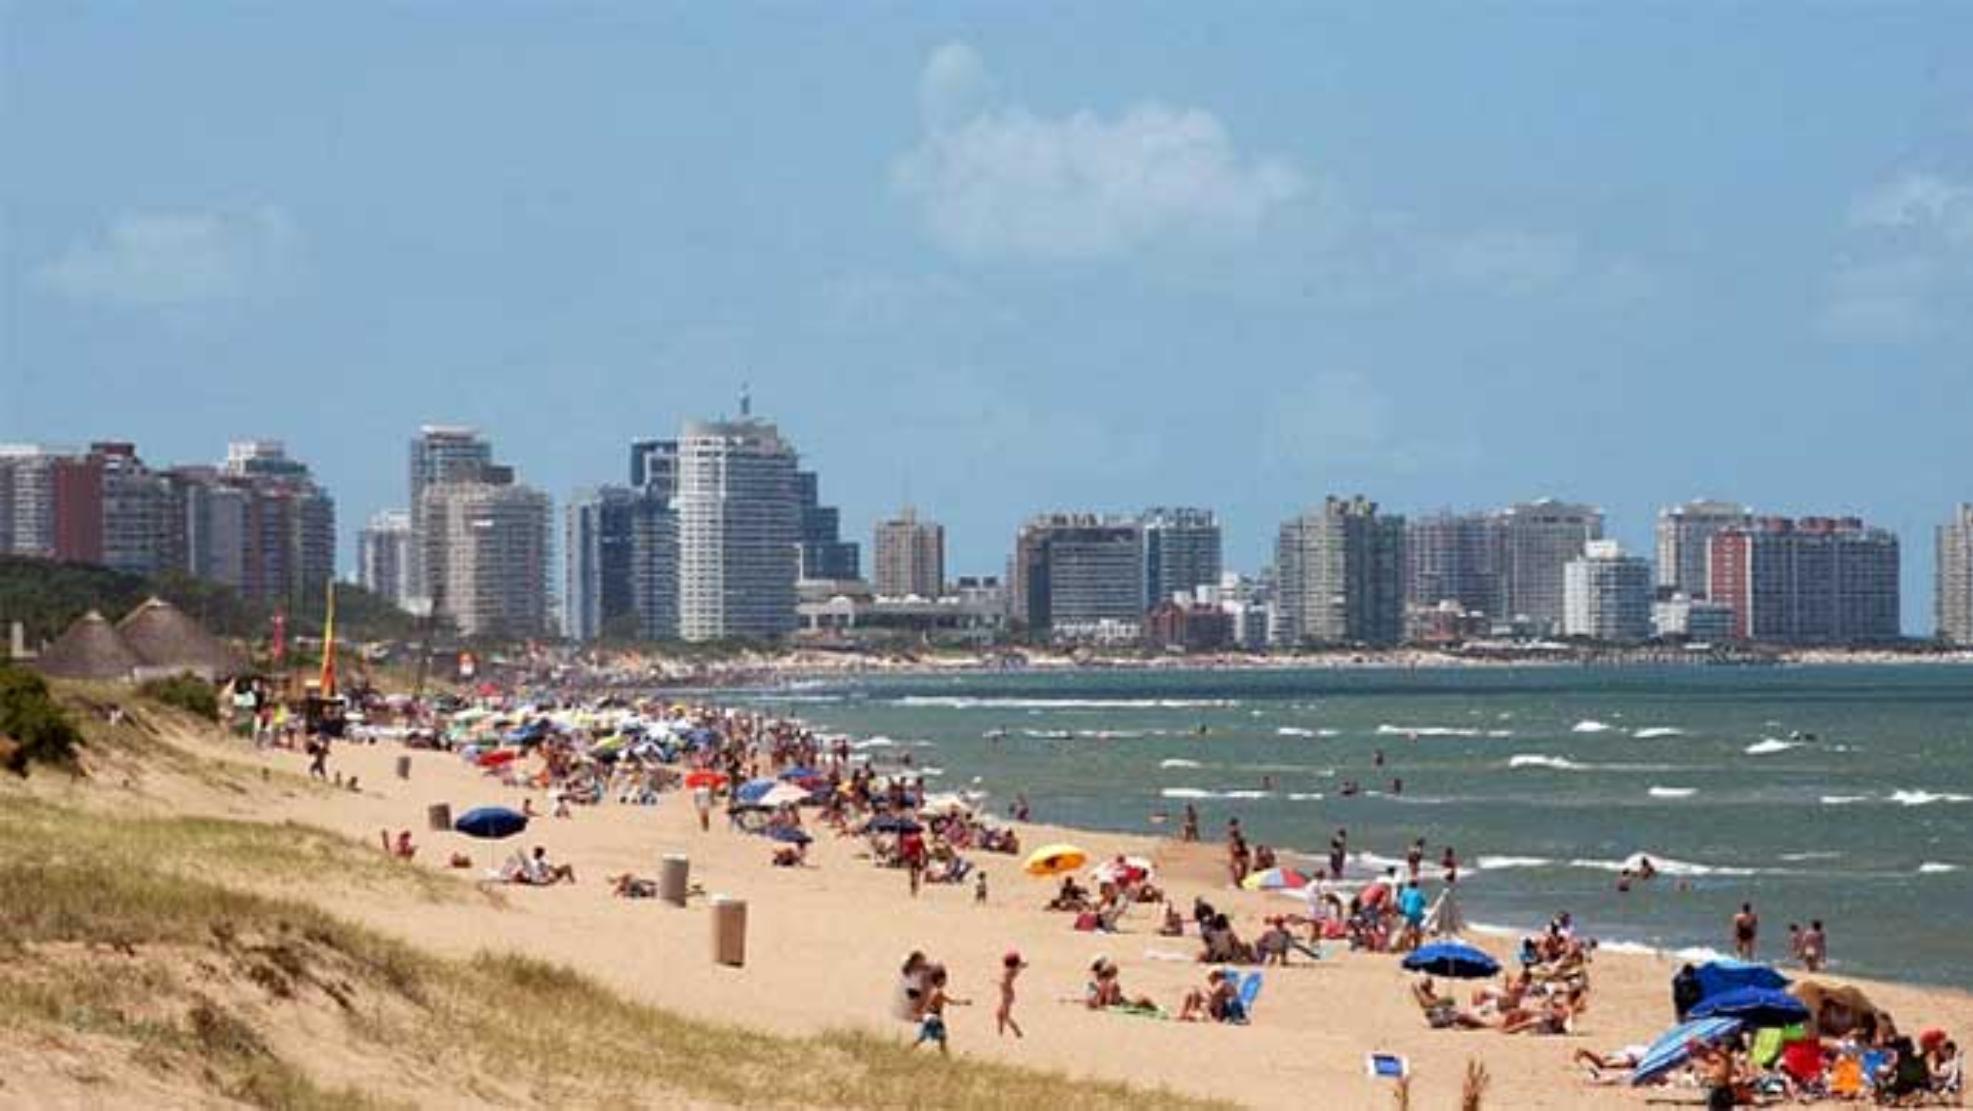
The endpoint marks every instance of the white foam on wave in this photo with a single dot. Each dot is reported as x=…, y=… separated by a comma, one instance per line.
x=1295, y=731
x=1590, y=725
x=1502, y=863
x=1537, y=760
x=1795, y=857
x=1110, y=734
x=1769, y=745
x=1178, y=763
x=1248, y=794
x=1202, y=793
x=1666, y=866
x=1637, y=948
x=1843, y=800
x=962, y=702
x=1673, y=792
x=1936, y=868
x=1328, y=732
x=1926, y=798
x=1427, y=731
x=1305, y=796
x=1652, y=733
x=1185, y=793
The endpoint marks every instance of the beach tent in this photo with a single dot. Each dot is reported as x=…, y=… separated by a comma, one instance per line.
x=89, y=649
x=1724, y=975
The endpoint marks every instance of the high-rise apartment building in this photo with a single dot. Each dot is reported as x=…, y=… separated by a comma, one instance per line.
x=1453, y=557
x=486, y=556
x=288, y=529
x=1606, y=595
x=383, y=556
x=739, y=530
x=1181, y=552
x=824, y=552
x=440, y=453
x=1339, y=575
x=908, y=557
x=599, y=554
x=1684, y=533
x=1079, y=576
x=1813, y=580
x=53, y=503
x=654, y=467
x=1537, y=540
x=209, y=529
x=654, y=565
x=138, y=524
x=1953, y=600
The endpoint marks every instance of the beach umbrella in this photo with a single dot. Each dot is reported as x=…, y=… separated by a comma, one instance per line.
x=1674, y=1047
x=1755, y=1007
x=1452, y=959
x=753, y=789
x=491, y=823
x=705, y=777
x=497, y=757
x=945, y=804
x=800, y=774
x=783, y=794
x=1053, y=860
x=891, y=823
x=1119, y=871
x=788, y=834
x=1275, y=879
x=1726, y=974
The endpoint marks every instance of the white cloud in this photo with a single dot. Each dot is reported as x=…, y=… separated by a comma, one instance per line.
x=1006, y=182
x=171, y=260
x=1921, y=203
x=1909, y=261
x=1511, y=261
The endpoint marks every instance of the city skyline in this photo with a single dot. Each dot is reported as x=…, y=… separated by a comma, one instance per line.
x=1366, y=276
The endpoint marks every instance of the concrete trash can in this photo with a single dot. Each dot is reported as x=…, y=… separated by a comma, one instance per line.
x=439, y=817
x=404, y=767
x=729, y=931
x=673, y=874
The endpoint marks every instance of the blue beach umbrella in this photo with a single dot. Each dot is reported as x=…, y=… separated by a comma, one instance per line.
x=1755, y=1007
x=789, y=834
x=1673, y=1047
x=799, y=774
x=491, y=823
x=753, y=789
x=1717, y=977
x=1452, y=959
x=890, y=823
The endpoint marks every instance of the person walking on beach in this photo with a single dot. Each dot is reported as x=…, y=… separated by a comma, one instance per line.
x=1010, y=969
x=1339, y=851
x=1746, y=927
x=932, y=1027
x=318, y=758
x=702, y=802
x=1190, y=830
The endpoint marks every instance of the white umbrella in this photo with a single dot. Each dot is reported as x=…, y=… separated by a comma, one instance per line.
x=1113, y=870
x=782, y=794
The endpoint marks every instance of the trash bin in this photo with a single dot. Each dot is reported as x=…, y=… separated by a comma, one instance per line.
x=404, y=767
x=672, y=879
x=439, y=817
x=729, y=931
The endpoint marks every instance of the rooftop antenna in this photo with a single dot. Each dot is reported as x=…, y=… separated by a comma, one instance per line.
x=746, y=401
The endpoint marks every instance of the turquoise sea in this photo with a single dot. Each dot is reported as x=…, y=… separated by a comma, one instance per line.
x=1840, y=793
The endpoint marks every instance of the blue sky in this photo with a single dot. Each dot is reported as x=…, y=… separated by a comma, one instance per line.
x=1006, y=259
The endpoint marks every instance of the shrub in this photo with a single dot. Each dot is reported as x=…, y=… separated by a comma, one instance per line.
x=41, y=732
x=187, y=692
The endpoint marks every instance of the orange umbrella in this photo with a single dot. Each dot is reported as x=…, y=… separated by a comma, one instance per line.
x=705, y=778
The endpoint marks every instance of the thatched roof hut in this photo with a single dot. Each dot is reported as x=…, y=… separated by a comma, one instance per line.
x=168, y=642
x=89, y=649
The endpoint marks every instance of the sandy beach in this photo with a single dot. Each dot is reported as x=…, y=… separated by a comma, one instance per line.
x=825, y=941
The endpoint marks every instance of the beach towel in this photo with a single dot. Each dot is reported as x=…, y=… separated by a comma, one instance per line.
x=1136, y=1011
x=1846, y=1078
x=1767, y=1046
x=1386, y=1066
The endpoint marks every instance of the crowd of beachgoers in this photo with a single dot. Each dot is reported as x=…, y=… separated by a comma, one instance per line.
x=1739, y=1031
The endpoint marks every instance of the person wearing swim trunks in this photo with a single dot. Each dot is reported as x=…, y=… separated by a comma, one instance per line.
x=1746, y=927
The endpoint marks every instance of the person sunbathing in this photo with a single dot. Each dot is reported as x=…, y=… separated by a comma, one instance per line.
x=627, y=886
x=1220, y=1001
x=1173, y=924
x=1554, y=1017
x=1441, y=1011
x=1619, y=1061
x=539, y=872
x=1105, y=990
x=1071, y=897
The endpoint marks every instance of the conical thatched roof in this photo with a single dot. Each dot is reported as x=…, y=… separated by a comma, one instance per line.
x=167, y=640
x=89, y=649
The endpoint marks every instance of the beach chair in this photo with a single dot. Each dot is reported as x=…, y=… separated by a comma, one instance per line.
x=1386, y=1066
x=1245, y=990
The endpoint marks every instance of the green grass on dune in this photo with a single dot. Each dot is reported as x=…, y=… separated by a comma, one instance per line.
x=123, y=932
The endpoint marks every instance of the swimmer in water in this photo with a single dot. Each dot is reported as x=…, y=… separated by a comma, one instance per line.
x=1267, y=783
x=1377, y=760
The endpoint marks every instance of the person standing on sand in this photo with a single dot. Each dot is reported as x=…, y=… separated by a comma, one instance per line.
x=1339, y=851
x=702, y=802
x=1190, y=830
x=1746, y=928
x=932, y=1027
x=318, y=758
x=1010, y=966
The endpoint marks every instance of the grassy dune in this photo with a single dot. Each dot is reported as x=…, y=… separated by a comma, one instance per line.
x=118, y=943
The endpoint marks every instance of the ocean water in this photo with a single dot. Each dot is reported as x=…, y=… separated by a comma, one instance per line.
x=1844, y=794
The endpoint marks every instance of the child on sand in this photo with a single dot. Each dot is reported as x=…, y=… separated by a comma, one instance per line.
x=980, y=887
x=1011, y=966
x=932, y=1027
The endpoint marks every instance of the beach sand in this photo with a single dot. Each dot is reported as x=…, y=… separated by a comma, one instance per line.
x=824, y=944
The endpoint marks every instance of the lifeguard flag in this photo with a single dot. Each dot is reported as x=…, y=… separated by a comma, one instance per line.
x=329, y=645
